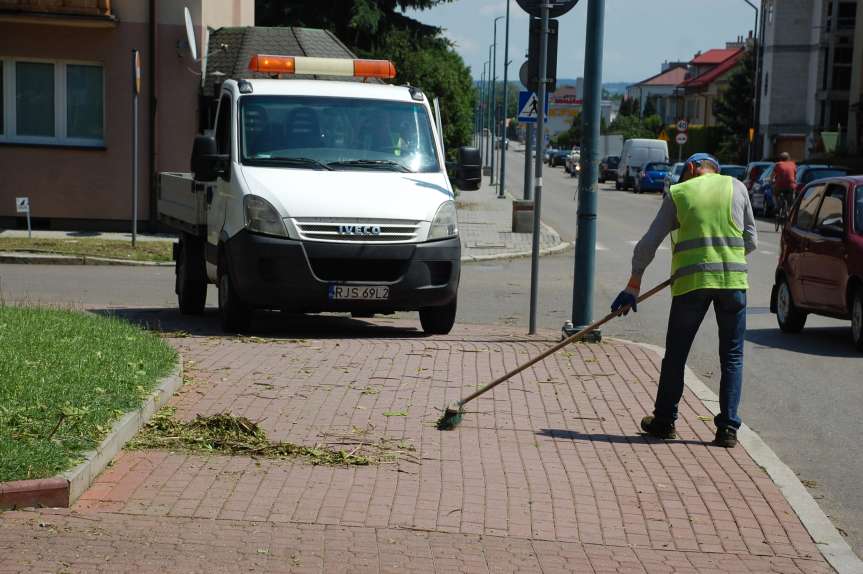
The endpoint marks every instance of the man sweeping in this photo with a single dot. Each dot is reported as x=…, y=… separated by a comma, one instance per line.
x=712, y=229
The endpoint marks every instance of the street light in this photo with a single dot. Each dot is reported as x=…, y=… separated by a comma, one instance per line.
x=488, y=96
x=494, y=96
x=755, y=80
x=501, y=190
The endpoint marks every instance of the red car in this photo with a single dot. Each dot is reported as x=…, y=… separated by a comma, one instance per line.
x=821, y=261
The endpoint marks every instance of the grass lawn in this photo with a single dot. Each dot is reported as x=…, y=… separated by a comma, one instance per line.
x=65, y=377
x=94, y=247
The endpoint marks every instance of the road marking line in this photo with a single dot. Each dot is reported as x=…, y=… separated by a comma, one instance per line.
x=766, y=252
x=601, y=247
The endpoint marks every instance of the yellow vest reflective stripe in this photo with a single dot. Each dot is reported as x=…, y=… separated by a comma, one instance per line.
x=709, y=251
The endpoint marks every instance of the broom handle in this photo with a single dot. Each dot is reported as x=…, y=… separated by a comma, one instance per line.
x=562, y=344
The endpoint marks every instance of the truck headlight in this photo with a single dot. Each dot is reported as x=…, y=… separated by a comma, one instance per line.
x=262, y=217
x=444, y=223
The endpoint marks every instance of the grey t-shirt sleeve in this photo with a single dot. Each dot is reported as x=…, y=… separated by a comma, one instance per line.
x=741, y=211
x=664, y=223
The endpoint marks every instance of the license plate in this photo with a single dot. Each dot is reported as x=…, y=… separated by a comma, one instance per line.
x=359, y=292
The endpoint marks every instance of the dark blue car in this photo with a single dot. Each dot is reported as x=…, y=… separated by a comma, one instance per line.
x=651, y=177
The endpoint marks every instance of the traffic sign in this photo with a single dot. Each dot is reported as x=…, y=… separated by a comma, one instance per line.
x=681, y=138
x=522, y=75
x=528, y=108
x=558, y=7
x=682, y=126
x=22, y=204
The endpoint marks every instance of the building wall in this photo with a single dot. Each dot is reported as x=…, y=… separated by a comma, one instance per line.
x=68, y=184
x=790, y=70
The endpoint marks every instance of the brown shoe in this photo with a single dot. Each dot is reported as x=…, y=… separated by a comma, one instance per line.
x=658, y=429
x=725, y=437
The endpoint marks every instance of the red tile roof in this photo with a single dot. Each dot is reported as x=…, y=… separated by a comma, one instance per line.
x=714, y=56
x=715, y=73
x=672, y=77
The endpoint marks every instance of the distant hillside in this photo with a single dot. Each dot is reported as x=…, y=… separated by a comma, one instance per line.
x=612, y=87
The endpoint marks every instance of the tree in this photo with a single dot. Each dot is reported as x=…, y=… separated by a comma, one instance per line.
x=376, y=29
x=649, y=108
x=734, y=110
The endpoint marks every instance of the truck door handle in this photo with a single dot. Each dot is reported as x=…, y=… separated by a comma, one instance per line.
x=209, y=194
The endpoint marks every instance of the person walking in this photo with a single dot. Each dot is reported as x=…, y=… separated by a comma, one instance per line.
x=784, y=181
x=712, y=229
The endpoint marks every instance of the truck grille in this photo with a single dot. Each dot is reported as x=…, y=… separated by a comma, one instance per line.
x=391, y=231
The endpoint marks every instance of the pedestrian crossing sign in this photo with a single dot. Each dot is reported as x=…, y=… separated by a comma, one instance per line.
x=528, y=107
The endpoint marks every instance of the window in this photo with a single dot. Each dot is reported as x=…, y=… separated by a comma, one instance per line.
x=858, y=211
x=223, y=126
x=805, y=217
x=55, y=103
x=832, y=209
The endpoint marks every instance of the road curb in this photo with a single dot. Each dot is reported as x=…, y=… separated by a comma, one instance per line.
x=63, y=490
x=832, y=545
x=51, y=258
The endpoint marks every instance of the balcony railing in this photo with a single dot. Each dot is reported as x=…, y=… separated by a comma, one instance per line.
x=58, y=7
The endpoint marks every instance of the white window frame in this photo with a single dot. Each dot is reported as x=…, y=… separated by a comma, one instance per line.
x=8, y=105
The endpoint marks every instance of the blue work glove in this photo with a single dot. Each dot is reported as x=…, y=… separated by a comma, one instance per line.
x=627, y=299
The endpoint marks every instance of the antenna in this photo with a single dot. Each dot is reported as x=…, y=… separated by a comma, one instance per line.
x=190, y=34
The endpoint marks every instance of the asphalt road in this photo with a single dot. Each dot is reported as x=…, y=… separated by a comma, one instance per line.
x=802, y=393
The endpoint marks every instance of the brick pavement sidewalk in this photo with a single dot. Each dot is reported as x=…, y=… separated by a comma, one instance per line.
x=485, y=227
x=546, y=474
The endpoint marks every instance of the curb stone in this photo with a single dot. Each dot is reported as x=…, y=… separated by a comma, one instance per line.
x=51, y=258
x=832, y=545
x=65, y=489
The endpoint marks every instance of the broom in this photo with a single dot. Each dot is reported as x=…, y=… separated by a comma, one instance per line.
x=454, y=412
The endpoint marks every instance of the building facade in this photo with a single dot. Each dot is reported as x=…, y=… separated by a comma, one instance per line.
x=660, y=90
x=66, y=101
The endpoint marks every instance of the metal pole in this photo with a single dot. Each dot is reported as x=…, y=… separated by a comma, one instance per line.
x=494, y=100
x=134, y=155
x=480, y=110
x=537, y=194
x=585, y=240
x=490, y=111
x=528, y=172
x=751, y=146
x=501, y=190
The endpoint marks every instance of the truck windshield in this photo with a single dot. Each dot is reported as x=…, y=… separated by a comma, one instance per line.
x=313, y=132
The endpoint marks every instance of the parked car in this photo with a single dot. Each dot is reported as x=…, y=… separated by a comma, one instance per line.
x=761, y=194
x=498, y=142
x=636, y=153
x=754, y=171
x=673, y=176
x=572, y=159
x=820, y=268
x=652, y=176
x=608, y=168
x=735, y=171
x=546, y=155
x=558, y=157
x=807, y=173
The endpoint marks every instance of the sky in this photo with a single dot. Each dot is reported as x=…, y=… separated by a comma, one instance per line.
x=639, y=34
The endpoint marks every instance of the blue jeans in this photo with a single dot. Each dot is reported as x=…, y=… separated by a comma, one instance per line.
x=687, y=312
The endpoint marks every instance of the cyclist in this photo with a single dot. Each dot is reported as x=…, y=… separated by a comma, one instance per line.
x=784, y=180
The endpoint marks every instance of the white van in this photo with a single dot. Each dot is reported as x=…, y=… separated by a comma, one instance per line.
x=636, y=153
x=319, y=195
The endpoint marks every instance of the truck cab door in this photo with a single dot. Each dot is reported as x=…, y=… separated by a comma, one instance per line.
x=219, y=191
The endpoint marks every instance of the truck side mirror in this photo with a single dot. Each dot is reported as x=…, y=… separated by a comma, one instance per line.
x=468, y=169
x=207, y=163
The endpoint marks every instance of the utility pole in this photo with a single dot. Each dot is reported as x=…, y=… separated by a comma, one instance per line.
x=755, y=83
x=528, y=172
x=494, y=99
x=585, y=240
x=537, y=194
x=482, y=114
x=490, y=111
x=501, y=190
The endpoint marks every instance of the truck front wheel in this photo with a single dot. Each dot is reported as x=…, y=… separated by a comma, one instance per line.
x=234, y=315
x=191, y=277
x=438, y=320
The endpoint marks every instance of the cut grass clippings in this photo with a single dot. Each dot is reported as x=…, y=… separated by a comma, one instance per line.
x=230, y=435
x=65, y=377
x=155, y=251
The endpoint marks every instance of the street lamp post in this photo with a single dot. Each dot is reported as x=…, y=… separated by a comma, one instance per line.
x=494, y=97
x=481, y=113
x=490, y=111
x=501, y=191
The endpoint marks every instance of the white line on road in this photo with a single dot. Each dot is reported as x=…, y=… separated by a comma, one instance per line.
x=601, y=247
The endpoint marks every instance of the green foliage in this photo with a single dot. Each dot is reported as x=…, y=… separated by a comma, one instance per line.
x=701, y=139
x=631, y=126
x=629, y=107
x=649, y=108
x=65, y=377
x=377, y=28
x=733, y=110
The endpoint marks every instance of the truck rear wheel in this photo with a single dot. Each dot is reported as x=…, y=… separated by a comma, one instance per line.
x=438, y=320
x=191, y=276
x=234, y=315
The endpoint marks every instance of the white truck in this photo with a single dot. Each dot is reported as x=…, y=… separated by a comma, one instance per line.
x=319, y=195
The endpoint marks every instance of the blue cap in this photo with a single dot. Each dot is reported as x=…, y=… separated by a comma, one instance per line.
x=697, y=158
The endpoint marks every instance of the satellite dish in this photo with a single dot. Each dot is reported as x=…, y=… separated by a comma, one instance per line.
x=190, y=34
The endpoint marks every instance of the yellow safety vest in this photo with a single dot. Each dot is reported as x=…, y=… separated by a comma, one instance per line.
x=709, y=252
